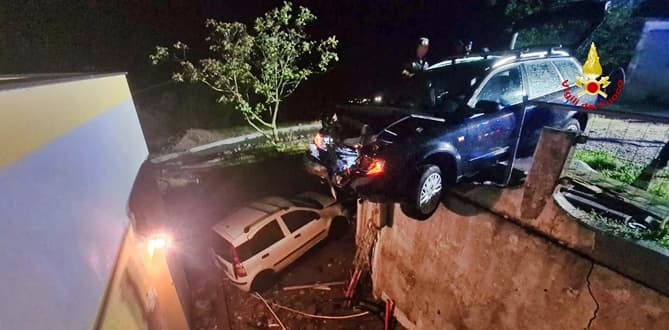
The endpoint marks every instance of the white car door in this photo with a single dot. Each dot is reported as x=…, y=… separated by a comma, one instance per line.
x=306, y=229
x=265, y=248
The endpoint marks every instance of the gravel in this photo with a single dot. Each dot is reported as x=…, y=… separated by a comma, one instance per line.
x=632, y=141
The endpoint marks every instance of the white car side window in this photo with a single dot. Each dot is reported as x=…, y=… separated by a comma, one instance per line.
x=297, y=219
x=262, y=239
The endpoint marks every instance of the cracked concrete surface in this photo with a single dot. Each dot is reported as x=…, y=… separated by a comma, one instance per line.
x=466, y=268
x=594, y=313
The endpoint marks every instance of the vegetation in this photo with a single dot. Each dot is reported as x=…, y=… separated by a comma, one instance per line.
x=617, y=228
x=610, y=166
x=607, y=164
x=616, y=36
x=255, y=71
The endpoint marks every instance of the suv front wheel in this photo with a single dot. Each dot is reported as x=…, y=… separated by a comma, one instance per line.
x=426, y=195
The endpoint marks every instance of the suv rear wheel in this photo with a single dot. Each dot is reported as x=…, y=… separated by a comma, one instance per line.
x=427, y=194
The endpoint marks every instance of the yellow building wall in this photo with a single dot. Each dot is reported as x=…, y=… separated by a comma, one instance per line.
x=70, y=152
x=141, y=294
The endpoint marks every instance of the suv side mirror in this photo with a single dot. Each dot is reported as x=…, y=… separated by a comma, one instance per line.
x=486, y=106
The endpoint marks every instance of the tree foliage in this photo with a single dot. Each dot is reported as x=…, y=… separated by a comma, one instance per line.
x=254, y=71
x=516, y=9
x=616, y=36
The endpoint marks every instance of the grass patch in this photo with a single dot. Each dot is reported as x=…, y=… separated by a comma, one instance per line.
x=616, y=228
x=612, y=226
x=246, y=129
x=290, y=143
x=663, y=241
x=610, y=166
x=659, y=187
x=607, y=164
x=598, y=160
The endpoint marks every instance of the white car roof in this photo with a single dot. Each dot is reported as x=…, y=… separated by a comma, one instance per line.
x=242, y=220
x=234, y=225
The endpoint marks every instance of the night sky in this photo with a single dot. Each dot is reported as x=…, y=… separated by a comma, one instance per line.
x=376, y=37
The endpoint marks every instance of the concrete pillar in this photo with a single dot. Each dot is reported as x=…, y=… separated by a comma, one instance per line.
x=549, y=159
x=371, y=217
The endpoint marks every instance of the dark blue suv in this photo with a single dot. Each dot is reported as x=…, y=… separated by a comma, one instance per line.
x=459, y=117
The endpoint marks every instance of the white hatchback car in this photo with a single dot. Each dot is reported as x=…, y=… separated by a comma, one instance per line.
x=265, y=236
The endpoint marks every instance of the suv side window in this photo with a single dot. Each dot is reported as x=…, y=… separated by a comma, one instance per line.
x=542, y=79
x=568, y=70
x=263, y=239
x=505, y=88
x=296, y=219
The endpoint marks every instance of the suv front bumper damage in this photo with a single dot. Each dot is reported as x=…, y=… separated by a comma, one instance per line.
x=314, y=168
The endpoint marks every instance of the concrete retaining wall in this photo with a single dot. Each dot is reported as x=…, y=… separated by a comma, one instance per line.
x=468, y=268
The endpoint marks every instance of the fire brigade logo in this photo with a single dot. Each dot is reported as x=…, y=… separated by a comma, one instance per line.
x=592, y=83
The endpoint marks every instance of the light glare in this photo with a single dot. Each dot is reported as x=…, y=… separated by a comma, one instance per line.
x=156, y=242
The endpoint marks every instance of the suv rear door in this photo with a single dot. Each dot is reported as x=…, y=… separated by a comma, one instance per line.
x=543, y=84
x=490, y=134
x=569, y=70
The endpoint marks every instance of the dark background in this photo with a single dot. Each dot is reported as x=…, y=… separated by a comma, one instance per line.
x=376, y=38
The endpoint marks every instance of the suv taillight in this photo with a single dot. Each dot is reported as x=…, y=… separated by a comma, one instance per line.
x=376, y=167
x=237, y=266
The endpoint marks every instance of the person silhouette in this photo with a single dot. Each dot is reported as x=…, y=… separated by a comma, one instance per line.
x=419, y=63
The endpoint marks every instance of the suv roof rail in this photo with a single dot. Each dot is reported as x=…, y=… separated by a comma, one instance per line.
x=540, y=51
x=550, y=50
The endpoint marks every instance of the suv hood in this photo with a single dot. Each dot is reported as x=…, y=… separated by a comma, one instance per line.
x=353, y=117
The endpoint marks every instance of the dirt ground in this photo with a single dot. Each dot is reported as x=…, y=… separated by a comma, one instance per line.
x=220, y=305
x=216, y=304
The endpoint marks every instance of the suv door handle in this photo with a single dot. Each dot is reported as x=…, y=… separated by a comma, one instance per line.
x=264, y=256
x=298, y=235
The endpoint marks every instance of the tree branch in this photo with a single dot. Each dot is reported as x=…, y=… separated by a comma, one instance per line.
x=261, y=131
x=212, y=86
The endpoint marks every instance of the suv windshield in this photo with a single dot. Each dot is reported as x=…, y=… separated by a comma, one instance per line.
x=443, y=81
x=456, y=81
x=403, y=128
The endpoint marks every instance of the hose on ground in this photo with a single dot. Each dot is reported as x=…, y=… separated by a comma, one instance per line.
x=322, y=317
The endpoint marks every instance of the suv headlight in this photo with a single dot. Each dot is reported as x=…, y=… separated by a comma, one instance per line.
x=322, y=141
